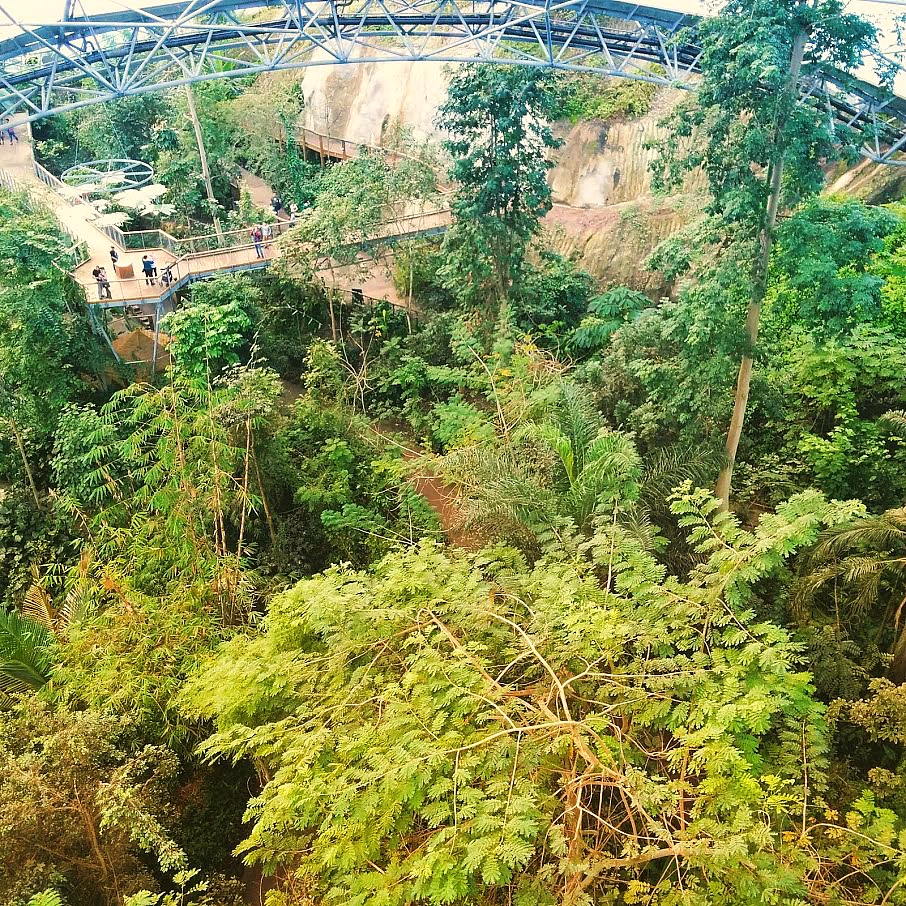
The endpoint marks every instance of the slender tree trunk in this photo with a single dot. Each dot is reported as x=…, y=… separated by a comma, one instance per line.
x=28, y=471
x=753, y=316
x=205, y=172
x=409, y=297
x=267, y=510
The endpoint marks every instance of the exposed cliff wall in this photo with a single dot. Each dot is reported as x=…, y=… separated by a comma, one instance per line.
x=603, y=168
x=612, y=243
x=600, y=163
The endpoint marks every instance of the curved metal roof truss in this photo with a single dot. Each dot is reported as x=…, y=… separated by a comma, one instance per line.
x=50, y=68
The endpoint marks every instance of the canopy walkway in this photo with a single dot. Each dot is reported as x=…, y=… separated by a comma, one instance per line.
x=144, y=301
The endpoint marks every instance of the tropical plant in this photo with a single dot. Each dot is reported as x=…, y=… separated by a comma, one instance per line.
x=858, y=571
x=758, y=145
x=560, y=473
x=26, y=654
x=207, y=335
x=607, y=313
x=444, y=728
x=83, y=810
x=497, y=118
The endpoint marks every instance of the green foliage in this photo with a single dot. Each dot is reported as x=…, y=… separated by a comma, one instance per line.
x=67, y=779
x=47, y=346
x=353, y=199
x=551, y=297
x=458, y=422
x=433, y=725
x=823, y=260
x=46, y=898
x=858, y=574
x=207, y=335
x=589, y=96
x=607, y=313
x=132, y=657
x=26, y=654
x=349, y=499
x=28, y=536
x=742, y=117
x=497, y=119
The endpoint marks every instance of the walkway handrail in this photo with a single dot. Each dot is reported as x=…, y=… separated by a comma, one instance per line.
x=392, y=153
x=184, y=269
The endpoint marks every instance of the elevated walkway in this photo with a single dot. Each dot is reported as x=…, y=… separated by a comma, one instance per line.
x=179, y=262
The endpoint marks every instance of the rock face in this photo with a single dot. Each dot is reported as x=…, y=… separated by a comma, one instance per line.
x=361, y=102
x=612, y=243
x=602, y=171
x=600, y=163
x=602, y=167
x=872, y=183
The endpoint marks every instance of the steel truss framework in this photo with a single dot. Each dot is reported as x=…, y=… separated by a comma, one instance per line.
x=53, y=67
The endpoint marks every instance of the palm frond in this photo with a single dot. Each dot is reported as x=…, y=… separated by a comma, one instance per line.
x=879, y=533
x=575, y=416
x=895, y=419
x=668, y=467
x=37, y=604
x=25, y=653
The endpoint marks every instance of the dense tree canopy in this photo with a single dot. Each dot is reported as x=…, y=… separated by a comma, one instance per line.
x=430, y=600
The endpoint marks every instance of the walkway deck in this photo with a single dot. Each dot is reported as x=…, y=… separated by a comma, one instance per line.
x=180, y=261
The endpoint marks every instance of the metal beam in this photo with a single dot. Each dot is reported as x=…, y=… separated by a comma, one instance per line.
x=54, y=67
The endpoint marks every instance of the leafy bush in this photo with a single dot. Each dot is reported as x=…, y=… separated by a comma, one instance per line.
x=551, y=297
x=589, y=96
x=208, y=334
x=348, y=498
x=457, y=422
x=433, y=726
x=607, y=313
x=29, y=536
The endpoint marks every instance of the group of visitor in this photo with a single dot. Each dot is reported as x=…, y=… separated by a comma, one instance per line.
x=277, y=205
x=7, y=131
x=261, y=235
x=103, y=281
x=149, y=271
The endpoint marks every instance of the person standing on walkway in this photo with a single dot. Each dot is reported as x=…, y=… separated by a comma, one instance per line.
x=256, y=238
x=266, y=232
x=11, y=132
x=148, y=270
x=114, y=256
x=105, y=280
x=276, y=203
x=100, y=275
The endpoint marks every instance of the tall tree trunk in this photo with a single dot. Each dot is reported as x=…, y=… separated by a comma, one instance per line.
x=28, y=471
x=753, y=316
x=205, y=172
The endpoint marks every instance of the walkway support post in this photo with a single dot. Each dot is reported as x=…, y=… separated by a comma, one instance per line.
x=158, y=309
x=205, y=172
x=760, y=281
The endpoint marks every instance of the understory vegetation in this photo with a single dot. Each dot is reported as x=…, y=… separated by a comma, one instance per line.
x=478, y=597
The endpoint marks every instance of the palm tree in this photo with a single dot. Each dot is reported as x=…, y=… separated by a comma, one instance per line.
x=27, y=639
x=568, y=468
x=865, y=563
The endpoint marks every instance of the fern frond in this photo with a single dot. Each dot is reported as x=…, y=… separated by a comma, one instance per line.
x=895, y=419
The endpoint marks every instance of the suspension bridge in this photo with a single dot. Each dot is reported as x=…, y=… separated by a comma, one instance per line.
x=54, y=66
